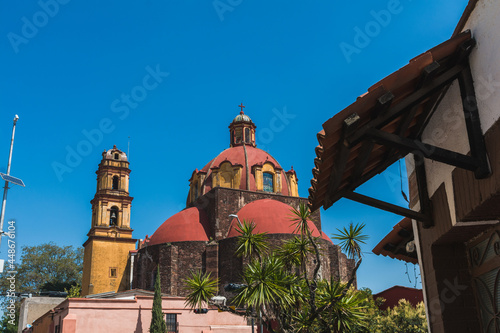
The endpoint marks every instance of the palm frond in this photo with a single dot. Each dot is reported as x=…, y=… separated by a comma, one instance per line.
x=202, y=287
x=350, y=238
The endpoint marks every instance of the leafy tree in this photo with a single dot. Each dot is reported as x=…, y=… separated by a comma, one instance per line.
x=43, y=267
x=284, y=287
x=74, y=291
x=404, y=317
x=47, y=267
x=158, y=324
x=7, y=327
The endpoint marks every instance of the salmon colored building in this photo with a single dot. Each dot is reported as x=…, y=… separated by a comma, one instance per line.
x=131, y=312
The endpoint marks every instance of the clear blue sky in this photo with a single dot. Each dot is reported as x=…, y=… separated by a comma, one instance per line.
x=69, y=72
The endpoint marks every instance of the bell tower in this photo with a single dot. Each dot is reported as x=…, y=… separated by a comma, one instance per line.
x=106, y=255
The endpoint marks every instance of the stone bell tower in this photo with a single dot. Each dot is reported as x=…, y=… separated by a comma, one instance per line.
x=106, y=257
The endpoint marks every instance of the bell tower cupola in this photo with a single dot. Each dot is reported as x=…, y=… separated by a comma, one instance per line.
x=242, y=130
x=110, y=234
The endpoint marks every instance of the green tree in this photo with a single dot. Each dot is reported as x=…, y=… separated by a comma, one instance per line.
x=6, y=326
x=158, y=324
x=74, y=291
x=47, y=267
x=44, y=267
x=404, y=317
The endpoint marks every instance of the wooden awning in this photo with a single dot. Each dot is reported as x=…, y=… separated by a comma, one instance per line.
x=386, y=123
x=394, y=244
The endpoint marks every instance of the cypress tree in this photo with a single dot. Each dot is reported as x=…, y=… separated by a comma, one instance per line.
x=158, y=325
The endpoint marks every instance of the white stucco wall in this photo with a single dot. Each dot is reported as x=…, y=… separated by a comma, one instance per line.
x=446, y=128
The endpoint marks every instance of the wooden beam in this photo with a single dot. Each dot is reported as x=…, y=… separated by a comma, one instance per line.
x=386, y=206
x=426, y=150
x=349, y=124
x=357, y=182
x=473, y=124
x=423, y=193
x=410, y=101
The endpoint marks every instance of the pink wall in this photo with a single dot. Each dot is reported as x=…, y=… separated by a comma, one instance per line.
x=83, y=315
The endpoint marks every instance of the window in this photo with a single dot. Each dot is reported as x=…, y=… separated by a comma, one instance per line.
x=238, y=133
x=113, y=216
x=116, y=182
x=247, y=135
x=112, y=272
x=171, y=320
x=268, y=182
x=117, y=156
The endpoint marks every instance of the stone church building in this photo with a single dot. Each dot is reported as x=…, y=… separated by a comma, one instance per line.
x=242, y=180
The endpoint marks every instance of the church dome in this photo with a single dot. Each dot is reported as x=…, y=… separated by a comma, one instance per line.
x=243, y=166
x=114, y=154
x=272, y=217
x=242, y=117
x=191, y=224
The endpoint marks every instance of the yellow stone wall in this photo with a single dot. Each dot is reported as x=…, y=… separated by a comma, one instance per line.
x=100, y=256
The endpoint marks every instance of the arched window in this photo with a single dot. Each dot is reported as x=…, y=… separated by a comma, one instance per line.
x=238, y=133
x=116, y=182
x=268, y=182
x=117, y=156
x=113, y=216
x=247, y=135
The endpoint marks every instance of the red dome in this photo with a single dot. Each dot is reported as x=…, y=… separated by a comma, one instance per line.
x=236, y=156
x=270, y=216
x=191, y=224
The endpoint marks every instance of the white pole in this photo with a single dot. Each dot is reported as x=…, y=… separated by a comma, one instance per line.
x=6, y=187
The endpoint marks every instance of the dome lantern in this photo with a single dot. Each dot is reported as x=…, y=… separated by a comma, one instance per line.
x=242, y=130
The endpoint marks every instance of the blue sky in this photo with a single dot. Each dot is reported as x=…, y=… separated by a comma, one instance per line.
x=170, y=75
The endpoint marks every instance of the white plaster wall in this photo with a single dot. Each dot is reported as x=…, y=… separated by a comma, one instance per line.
x=484, y=23
x=446, y=128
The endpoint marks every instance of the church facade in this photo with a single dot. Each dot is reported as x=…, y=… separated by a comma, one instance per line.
x=242, y=180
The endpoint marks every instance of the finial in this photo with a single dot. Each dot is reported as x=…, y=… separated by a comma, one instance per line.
x=114, y=146
x=241, y=106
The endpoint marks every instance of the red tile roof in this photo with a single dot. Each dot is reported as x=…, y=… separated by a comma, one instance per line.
x=398, y=237
x=412, y=107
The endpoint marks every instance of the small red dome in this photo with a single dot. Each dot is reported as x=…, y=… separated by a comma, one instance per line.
x=272, y=217
x=191, y=224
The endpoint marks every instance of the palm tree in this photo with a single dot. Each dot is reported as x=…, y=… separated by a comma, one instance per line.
x=250, y=243
x=202, y=288
x=294, y=252
x=350, y=240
